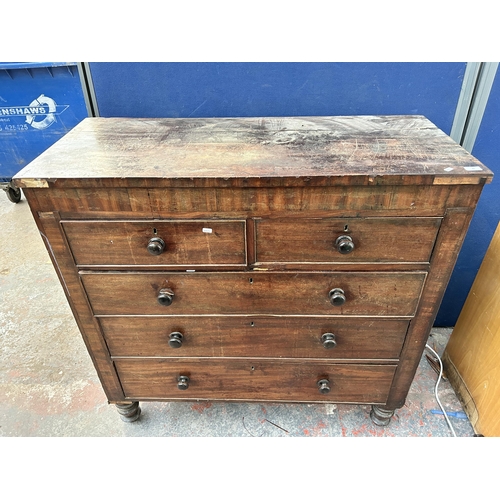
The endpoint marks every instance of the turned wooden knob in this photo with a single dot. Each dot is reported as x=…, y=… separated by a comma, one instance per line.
x=165, y=296
x=182, y=382
x=324, y=386
x=328, y=340
x=156, y=246
x=337, y=297
x=175, y=340
x=344, y=244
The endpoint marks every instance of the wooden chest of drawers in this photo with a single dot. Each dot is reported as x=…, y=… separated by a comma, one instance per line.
x=273, y=259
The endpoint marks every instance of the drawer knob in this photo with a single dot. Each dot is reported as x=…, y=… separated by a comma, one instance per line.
x=175, y=340
x=324, y=386
x=344, y=244
x=165, y=296
x=337, y=297
x=182, y=382
x=328, y=340
x=156, y=246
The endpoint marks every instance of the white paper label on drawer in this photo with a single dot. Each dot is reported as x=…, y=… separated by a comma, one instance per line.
x=473, y=169
x=207, y=230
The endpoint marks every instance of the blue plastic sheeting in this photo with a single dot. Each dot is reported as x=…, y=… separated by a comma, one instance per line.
x=486, y=217
x=278, y=89
x=30, y=65
x=39, y=103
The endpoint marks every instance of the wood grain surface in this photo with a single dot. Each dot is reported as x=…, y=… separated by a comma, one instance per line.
x=403, y=239
x=124, y=243
x=472, y=355
x=254, y=380
x=239, y=148
x=349, y=200
x=282, y=293
x=254, y=336
x=276, y=193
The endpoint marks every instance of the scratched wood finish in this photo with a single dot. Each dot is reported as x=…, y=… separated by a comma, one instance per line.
x=275, y=189
x=52, y=237
x=254, y=379
x=256, y=336
x=450, y=239
x=296, y=293
x=248, y=148
x=375, y=239
x=216, y=202
x=119, y=243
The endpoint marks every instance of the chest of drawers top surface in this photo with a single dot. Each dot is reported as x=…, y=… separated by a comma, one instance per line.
x=249, y=151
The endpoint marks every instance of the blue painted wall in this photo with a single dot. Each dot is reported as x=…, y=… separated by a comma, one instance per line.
x=487, y=215
x=288, y=89
x=278, y=89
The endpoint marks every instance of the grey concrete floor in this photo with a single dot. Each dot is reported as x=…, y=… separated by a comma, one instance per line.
x=48, y=385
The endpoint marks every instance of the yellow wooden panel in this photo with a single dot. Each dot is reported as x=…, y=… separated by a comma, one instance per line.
x=472, y=356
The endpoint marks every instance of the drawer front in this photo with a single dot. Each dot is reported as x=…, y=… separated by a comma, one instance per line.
x=277, y=293
x=236, y=336
x=186, y=243
x=254, y=380
x=346, y=240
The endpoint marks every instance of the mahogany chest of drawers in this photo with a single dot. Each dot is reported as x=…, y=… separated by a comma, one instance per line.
x=255, y=259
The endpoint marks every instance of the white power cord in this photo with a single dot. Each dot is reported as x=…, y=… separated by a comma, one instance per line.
x=436, y=388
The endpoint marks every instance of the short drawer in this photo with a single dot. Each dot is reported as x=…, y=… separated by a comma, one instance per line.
x=253, y=380
x=346, y=240
x=276, y=293
x=237, y=336
x=157, y=243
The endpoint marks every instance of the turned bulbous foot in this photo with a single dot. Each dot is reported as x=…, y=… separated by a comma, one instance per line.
x=381, y=416
x=129, y=412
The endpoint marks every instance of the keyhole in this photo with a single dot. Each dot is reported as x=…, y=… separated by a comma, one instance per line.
x=252, y=323
x=250, y=280
x=346, y=228
x=155, y=231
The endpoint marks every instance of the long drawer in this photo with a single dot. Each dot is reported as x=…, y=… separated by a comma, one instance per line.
x=244, y=336
x=253, y=379
x=346, y=240
x=276, y=293
x=171, y=243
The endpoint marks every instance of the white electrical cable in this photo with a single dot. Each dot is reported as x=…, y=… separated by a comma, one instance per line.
x=436, y=388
